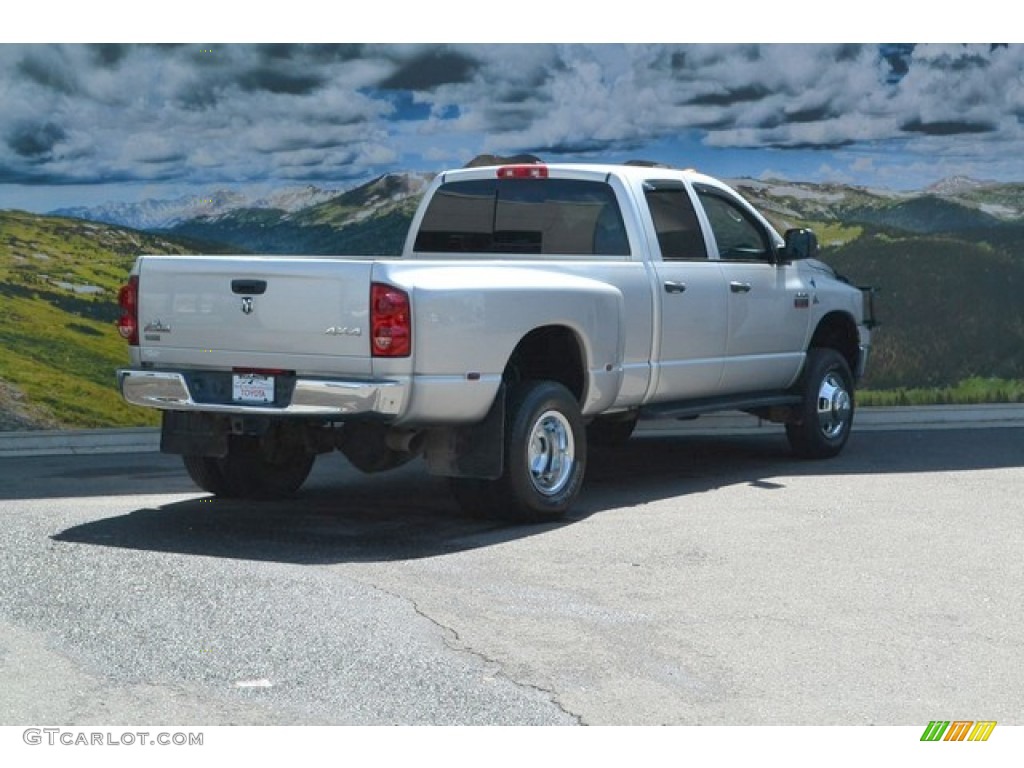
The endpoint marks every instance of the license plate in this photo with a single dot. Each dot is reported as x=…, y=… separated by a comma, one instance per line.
x=252, y=388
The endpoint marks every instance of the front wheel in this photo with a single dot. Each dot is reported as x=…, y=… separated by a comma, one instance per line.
x=545, y=458
x=825, y=417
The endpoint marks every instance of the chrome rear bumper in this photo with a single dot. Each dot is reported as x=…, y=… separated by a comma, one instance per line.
x=168, y=390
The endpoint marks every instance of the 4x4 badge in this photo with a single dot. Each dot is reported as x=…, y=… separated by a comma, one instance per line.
x=157, y=326
x=247, y=305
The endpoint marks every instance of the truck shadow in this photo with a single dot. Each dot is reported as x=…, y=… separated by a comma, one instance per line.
x=342, y=516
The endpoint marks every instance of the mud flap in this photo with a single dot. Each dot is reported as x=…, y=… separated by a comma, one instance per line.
x=474, y=450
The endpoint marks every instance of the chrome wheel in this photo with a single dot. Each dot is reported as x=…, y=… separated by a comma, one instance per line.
x=835, y=406
x=821, y=424
x=551, y=453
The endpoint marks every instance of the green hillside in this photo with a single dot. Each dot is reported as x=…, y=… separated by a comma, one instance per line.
x=948, y=270
x=951, y=308
x=58, y=305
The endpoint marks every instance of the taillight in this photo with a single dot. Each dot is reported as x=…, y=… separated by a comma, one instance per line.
x=128, y=300
x=523, y=172
x=390, y=321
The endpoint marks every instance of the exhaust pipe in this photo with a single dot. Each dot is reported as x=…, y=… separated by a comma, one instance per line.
x=405, y=440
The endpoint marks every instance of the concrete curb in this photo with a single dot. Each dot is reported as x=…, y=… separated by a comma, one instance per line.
x=911, y=417
x=144, y=440
x=62, y=442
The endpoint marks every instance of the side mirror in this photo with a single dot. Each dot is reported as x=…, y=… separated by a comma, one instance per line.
x=800, y=244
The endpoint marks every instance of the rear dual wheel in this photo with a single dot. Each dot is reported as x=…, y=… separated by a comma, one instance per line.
x=251, y=469
x=545, y=458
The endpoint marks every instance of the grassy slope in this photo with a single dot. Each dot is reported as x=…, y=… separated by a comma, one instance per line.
x=59, y=347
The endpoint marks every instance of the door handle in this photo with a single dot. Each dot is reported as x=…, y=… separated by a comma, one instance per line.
x=674, y=286
x=737, y=287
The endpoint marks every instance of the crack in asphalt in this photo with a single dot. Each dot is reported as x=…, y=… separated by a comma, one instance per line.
x=452, y=640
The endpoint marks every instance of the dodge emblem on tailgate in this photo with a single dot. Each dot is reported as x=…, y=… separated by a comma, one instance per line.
x=247, y=305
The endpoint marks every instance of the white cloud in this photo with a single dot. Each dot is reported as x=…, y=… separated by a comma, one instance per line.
x=196, y=114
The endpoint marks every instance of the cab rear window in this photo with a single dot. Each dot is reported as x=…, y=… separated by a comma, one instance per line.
x=524, y=216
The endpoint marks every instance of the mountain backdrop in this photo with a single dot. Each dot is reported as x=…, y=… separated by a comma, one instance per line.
x=948, y=262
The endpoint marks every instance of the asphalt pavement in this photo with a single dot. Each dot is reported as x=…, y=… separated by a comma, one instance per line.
x=703, y=579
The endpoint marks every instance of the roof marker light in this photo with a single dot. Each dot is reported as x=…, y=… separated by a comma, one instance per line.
x=523, y=172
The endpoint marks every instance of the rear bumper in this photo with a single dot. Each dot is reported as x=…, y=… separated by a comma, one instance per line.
x=168, y=390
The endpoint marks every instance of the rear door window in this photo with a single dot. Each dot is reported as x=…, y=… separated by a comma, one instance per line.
x=675, y=221
x=524, y=216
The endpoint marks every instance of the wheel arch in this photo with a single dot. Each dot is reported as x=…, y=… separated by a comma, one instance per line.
x=838, y=331
x=551, y=352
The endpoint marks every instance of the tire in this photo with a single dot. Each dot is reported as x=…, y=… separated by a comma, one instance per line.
x=205, y=472
x=825, y=416
x=545, y=459
x=250, y=471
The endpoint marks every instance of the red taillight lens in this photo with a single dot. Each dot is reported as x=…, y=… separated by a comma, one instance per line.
x=390, y=321
x=128, y=300
x=523, y=172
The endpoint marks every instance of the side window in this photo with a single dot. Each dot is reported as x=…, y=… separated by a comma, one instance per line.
x=739, y=237
x=524, y=216
x=675, y=222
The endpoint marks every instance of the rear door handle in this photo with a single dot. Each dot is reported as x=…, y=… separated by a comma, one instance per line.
x=737, y=287
x=674, y=286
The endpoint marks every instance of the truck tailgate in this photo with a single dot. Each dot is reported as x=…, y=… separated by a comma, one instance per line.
x=298, y=313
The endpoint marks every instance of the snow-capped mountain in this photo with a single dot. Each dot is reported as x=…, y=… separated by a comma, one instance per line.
x=166, y=214
x=371, y=218
x=957, y=185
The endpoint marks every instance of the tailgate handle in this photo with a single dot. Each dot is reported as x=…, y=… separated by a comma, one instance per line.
x=249, y=287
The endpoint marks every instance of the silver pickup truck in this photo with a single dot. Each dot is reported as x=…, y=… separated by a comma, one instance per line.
x=535, y=309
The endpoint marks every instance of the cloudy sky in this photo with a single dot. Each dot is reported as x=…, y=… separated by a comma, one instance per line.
x=85, y=124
